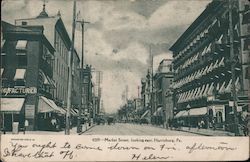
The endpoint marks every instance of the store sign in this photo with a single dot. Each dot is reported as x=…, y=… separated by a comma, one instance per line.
x=18, y=90
x=29, y=111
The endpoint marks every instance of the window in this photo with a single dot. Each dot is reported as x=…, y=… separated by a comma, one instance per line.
x=62, y=71
x=22, y=60
x=24, y=23
x=3, y=59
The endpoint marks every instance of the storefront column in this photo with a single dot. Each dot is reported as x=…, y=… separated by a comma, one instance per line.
x=3, y=121
x=12, y=117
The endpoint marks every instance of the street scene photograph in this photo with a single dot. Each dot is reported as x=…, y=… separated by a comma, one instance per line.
x=125, y=67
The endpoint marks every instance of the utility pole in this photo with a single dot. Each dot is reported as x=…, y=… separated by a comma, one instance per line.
x=70, y=58
x=82, y=22
x=81, y=77
x=152, y=78
x=233, y=62
x=138, y=88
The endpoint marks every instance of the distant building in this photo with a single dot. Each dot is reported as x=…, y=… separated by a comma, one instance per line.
x=163, y=79
x=146, y=88
x=87, y=86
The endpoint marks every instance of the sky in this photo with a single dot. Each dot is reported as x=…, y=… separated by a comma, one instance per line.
x=118, y=37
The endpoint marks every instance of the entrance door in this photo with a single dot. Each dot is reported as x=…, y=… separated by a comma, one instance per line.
x=8, y=122
x=219, y=117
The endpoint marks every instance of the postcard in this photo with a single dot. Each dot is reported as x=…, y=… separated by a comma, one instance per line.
x=125, y=80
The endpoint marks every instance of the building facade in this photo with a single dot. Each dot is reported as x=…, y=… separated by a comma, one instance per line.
x=163, y=79
x=27, y=77
x=203, y=68
x=58, y=37
x=146, y=88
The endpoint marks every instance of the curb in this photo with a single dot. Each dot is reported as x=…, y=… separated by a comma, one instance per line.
x=195, y=132
x=204, y=134
x=86, y=130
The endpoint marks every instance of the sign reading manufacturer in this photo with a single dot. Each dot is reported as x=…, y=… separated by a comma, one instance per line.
x=19, y=90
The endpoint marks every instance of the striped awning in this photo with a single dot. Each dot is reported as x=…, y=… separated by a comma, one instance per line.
x=198, y=111
x=46, y=105
x=181, y=114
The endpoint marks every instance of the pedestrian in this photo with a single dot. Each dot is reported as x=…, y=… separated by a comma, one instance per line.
x=26, y=124
x=199, y=125
x=53, y=122
x=202, y=124
x=213, y=124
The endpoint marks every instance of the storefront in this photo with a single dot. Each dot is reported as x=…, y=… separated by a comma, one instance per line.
x=191, y=117
x=48, y=111
x=12, y=111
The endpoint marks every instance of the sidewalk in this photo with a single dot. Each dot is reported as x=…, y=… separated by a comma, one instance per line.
x=73, y=131
x=203, y=132
x=206, y=132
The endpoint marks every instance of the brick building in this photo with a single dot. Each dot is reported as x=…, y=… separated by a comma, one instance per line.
x=27, y=76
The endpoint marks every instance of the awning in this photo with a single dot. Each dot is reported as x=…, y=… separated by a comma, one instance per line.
x=20, y=74
x=11, y=105
x=211, y=89
x=181, y=114
x=205, y=71
x=204, y=51
x=144, y=114
x=205, y=91
x=46, y=105
x=198, y=111
x=222, y=62
x=76, y=110
x=197, y=93
x=159, y=111
x=21, y=44
x=73, y=112
x=222, y=88
x=208, y=50
x=2, y=71
x=219, y=41
x=229, y=85
x=63, y=111
x=2, y=43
